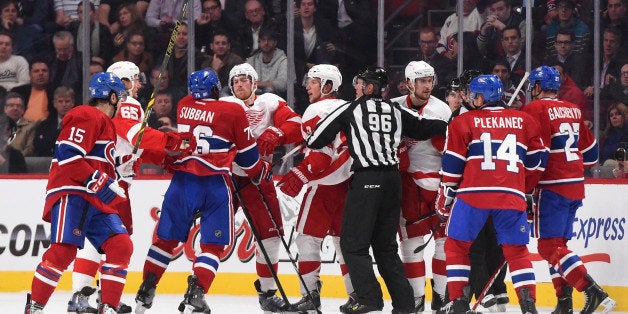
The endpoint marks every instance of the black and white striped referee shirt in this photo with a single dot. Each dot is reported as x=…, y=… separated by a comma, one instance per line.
x=373, y=128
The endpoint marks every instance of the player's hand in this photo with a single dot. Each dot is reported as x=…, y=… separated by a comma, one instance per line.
x=125, y=165
x=270, y=139
x=293, y=181
x=404, y=158
x=104, y=187
x=531, y=206
x=265, y=174
x=444, y=200
x=184, y=142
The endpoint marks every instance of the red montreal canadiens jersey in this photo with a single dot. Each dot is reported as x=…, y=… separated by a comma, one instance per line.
x=572, y=146
x=86, y=143
x=489, y=154
x=222, y=134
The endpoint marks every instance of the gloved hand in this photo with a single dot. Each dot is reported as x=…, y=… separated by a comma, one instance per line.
x=531, y=206
x=444, y=199
x=266, y=174
x=104, y=187
x=293, y=181
x=269, y=139
x=404, y=158
x=183, y=142
x=125, y=165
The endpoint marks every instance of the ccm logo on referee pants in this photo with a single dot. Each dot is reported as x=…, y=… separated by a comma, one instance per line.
x=371, y=186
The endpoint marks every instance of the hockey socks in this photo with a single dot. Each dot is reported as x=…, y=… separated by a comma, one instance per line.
x=206, y=264
x=271, y=245
x=114, y=270
x=54, y=261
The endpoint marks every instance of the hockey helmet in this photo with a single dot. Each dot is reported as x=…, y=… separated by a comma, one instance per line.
x=326, y=72
x=243, y=69
x=547, y=76
x=467, y=76
x=418, y=69
x=374, y=75
x=201, y=83
x=127, y=70
x=490, y=86
x=102, y=83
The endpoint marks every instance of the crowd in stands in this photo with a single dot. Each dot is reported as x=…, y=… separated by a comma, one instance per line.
x=41, y=49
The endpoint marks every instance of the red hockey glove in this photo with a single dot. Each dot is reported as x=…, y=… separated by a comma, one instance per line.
x=104, y=187
x=184, y=142
x=445, y=198
x=270, y=139
x=126, y=165
x=293, y=181
x=265, y=174
x=404, y=158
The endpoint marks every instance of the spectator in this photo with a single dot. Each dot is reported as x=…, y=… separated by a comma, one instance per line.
x=177, y=65
x=95, y=67
x=271, y=64
x=500, y=16
x=66, y=65
x=135, y=52
x=221, y=59
x=576, y=65
x=512, y=45
x=428, y=40
x=101, y=44
x=108, y=12
x=66, y=12
x=615, y=16
x=471, y=57
x=570, y=92
x=501, y=69
x=14, y=68
x=47, y=131
x=472, y=21
x=162, y=15
x=612, y=59
x=164, y=86
x=167, y=124
x=38, y=93
x=131, y=21
x=25, y=35
x=210, y=20
x=39, y=13
x=163, y=107
x=22, y=136
x=236, y=9
x=256, y=19
x=567, y=19
x=616, y=132
x=11, y=160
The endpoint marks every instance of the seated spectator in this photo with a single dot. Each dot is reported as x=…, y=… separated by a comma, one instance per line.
x=178, y=64
x=135, y=52
x=567, y=19
x=95, y=67
x=613, y=59
x=38, y=93
x=615, y=91
x=164, y=86
x=271, y=64
x=500, y=16
x=396, y=87
x=472, y=21
x=512, y=45
x=22, y=136
x=616, y=132
x=167, y=124
x=428, y=39
x=502, y=70
x=248, y=36
x=25, y=35
x=66, y=13
x=107, y=12
x=161, y=16
x=66, y=64
x=163, y=107
x=576, y=65
x=211, y=19
x=615, y=16
x=14, y=68
x=569, y=91
x=101, y=43
x=11, y=160
x=221, y=59
x=131, y=22
x=47, y=131
x=450, y=68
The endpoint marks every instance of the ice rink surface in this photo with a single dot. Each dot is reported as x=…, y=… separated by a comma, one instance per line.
x=13, y=303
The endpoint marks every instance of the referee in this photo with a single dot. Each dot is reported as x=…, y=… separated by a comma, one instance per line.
x=374, y=127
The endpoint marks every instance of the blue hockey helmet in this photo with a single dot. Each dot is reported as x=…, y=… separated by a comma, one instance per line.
x=102, y=83
x=547, y=76
x=201, y=83
x=490, y=86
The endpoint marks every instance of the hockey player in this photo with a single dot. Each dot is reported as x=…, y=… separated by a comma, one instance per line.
x=419, y=187
x=492, y=156
x=201, y=186
x=326, y=172
x=127, y=121
x=81, y=196
x=561, y=190
x=272, y=123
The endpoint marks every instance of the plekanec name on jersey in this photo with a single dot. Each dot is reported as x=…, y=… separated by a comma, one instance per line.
x=498, y=122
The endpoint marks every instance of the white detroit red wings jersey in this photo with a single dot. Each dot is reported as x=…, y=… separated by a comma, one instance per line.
x=86, y=143
x=340, y=168
x=493, y=155
x=572, y=146
x=222, y=137
x=425, y=156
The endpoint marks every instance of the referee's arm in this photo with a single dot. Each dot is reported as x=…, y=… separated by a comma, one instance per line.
x=327, y=128
x=419, y=127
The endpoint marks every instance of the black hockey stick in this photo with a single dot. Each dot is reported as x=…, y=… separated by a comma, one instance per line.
x=489, y=283
x=258, y=239
x=422, y=218
x=164, y=63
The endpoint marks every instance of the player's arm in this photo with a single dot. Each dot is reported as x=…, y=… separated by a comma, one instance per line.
x=77, y=137
x=289, y=122
x=326, y=129
x=420, y=127
x=588, y=146
x=247, y=155
x=536, y=156
x=313, y=164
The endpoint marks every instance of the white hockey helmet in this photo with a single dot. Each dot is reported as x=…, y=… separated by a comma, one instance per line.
x=243, y=69
x=126, y=70
x=326, y=72
x=418, y=69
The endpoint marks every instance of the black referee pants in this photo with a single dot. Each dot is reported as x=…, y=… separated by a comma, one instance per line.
x=371, y=219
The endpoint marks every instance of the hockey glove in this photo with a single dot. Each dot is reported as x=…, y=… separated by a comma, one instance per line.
x=293, y=181
x=270, y=139
x=125, y=165
x=404, y=158
x=531, y=204
x=104, y=187
x=265, y=174
x=444, y=200
x=184, y=142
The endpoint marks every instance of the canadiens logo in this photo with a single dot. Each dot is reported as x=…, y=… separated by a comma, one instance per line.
x=109, y=150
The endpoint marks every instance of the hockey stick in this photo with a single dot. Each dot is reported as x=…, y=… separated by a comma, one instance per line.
x=422, y=218
x=258, y=238
x=514, y=94
x=489, y=283
x=164, y=63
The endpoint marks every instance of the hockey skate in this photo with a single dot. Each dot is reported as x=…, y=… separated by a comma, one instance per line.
x=146, y=293
x=565, y=302
x=501, y=301
x=595, y=297
x=362, y=308
x=32, y=307
x=459, y=305
x=308, y=305
x=79, y=303
x=194, y=298
x=353, y=299
x=438, y=300
x=122, y=308
x=268, y=301
x=419, y=304
x=526, y=302
x=106, y=309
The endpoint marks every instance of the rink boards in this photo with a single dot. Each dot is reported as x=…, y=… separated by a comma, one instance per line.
x=599, y=238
